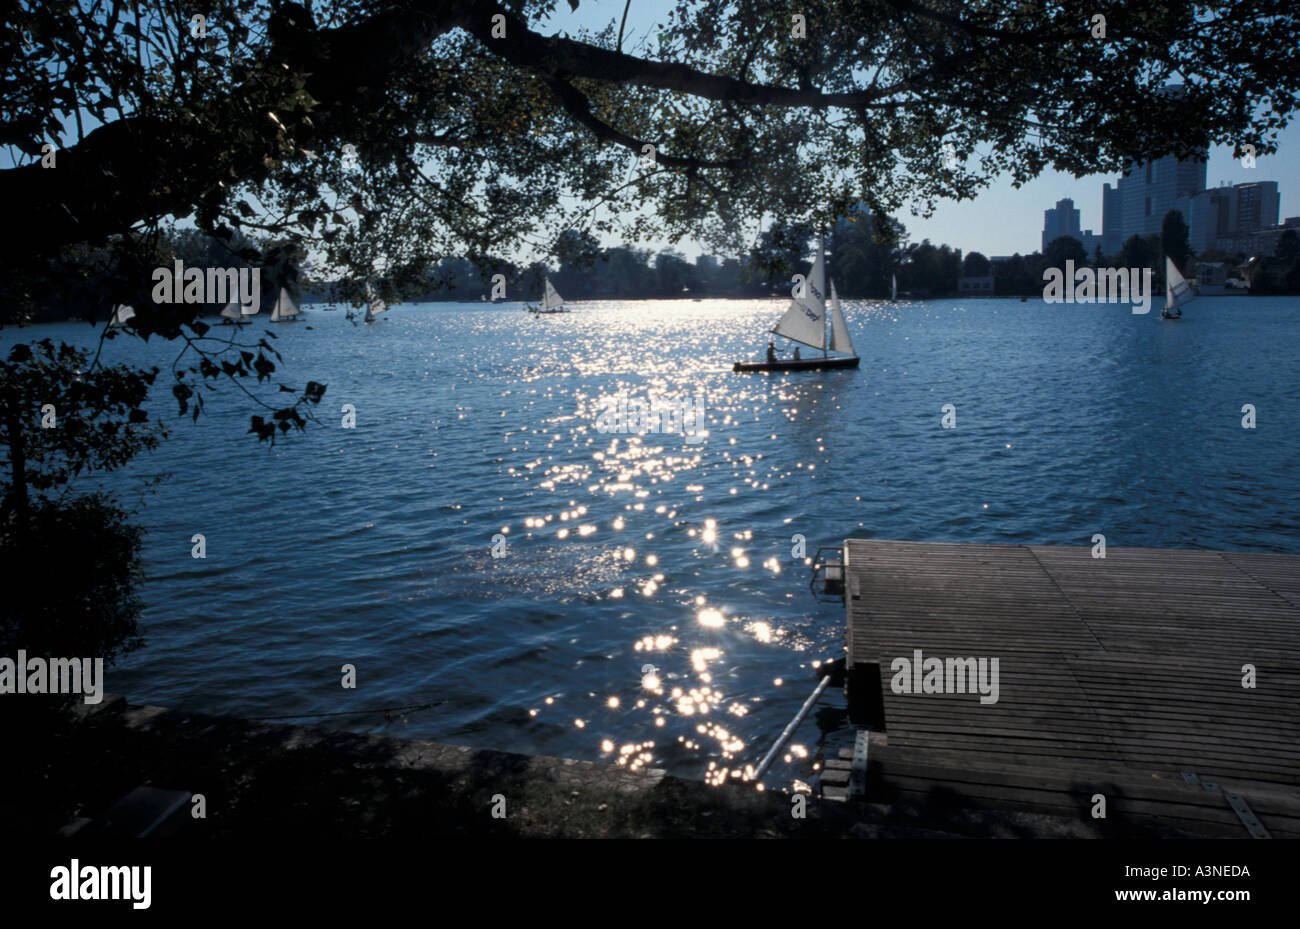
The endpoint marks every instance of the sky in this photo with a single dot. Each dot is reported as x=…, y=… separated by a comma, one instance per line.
x=1002, y=220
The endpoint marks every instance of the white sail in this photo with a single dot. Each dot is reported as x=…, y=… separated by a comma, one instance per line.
x=121, y=313
x=551, y=299
x=284, y=308
x=805, y=320
x=375, y=305
x=1177, y=290
x=893, y=287
x=232, y=310
x=840, y=341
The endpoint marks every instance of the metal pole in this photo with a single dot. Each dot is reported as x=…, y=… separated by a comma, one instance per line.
x=790, y=729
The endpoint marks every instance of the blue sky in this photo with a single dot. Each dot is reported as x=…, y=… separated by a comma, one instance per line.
x=1002, y=219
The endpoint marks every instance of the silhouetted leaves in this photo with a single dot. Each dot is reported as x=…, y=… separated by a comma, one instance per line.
x=263, y=430
x=99, y=423
x=264, y=367
x=182, y=393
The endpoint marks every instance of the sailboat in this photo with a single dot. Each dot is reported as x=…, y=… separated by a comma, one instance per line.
x=374, y=305
x=893, y=287
x=806, y=322
x=552, y=302
x=121, y=313
x=1177, y=291
x=233, y=315
x=285, y=310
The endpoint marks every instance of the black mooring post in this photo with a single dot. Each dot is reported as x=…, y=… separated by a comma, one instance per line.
x=865, y=697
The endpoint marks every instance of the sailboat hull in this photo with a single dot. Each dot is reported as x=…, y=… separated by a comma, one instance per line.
x=803, y=364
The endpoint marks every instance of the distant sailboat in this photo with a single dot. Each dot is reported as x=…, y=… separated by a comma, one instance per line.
x=374, y=305
x=121, y=313
x=806, y=322
x=233, y=315
x=285, y=310
x=893, y=287
x=552, y=302
x=1177, y=291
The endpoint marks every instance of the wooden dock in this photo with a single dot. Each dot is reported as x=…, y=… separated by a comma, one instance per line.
x=1120, y=676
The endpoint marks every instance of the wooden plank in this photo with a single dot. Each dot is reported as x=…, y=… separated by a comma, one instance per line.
x=1131, y=665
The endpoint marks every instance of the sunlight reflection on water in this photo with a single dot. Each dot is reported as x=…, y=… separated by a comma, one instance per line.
x=626, y=552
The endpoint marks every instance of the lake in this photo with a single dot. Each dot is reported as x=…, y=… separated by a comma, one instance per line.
x=647, y=605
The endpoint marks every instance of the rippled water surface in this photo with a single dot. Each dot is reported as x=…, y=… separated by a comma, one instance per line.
x=372, y=546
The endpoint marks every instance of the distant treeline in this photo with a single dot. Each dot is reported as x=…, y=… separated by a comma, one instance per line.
x=86, y=282
x=860, y=265
x=862, y=258
x=863, y=255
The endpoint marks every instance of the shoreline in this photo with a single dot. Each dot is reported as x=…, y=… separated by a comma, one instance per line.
x=273, y=780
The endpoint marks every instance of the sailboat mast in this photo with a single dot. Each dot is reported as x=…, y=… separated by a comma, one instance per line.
x=826, y=322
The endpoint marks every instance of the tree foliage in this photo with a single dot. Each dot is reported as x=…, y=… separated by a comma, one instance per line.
x=91, y=611
x=1142, y=252
x=780, y=251
x=1288, y=245
x=75, y=558
x=975, y=265
x=865, y=251
x=380, y=138
x=469, y=138
x=1173, y=240
x=64, y=416
x=1063, y=249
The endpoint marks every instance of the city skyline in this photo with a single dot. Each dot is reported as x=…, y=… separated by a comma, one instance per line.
x=965, y=225
x=1020, y=226
x=1227, y=217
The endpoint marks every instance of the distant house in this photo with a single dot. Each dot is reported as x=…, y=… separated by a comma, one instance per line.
x=975, y=286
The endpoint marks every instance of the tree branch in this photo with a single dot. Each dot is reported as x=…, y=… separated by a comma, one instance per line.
x=579, y=107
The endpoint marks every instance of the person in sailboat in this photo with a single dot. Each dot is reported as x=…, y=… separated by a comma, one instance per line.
x=810, y=321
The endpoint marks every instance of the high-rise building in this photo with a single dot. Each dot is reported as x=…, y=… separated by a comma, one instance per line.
x=1257, y=205
x=1225, y=217
x=1242, y=217
x=1112, y=209
x=1063, y=220
x=1149, y=190
x=1059, y=221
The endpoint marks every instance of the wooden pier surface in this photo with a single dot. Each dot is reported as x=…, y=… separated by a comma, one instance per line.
x=1120, y=676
